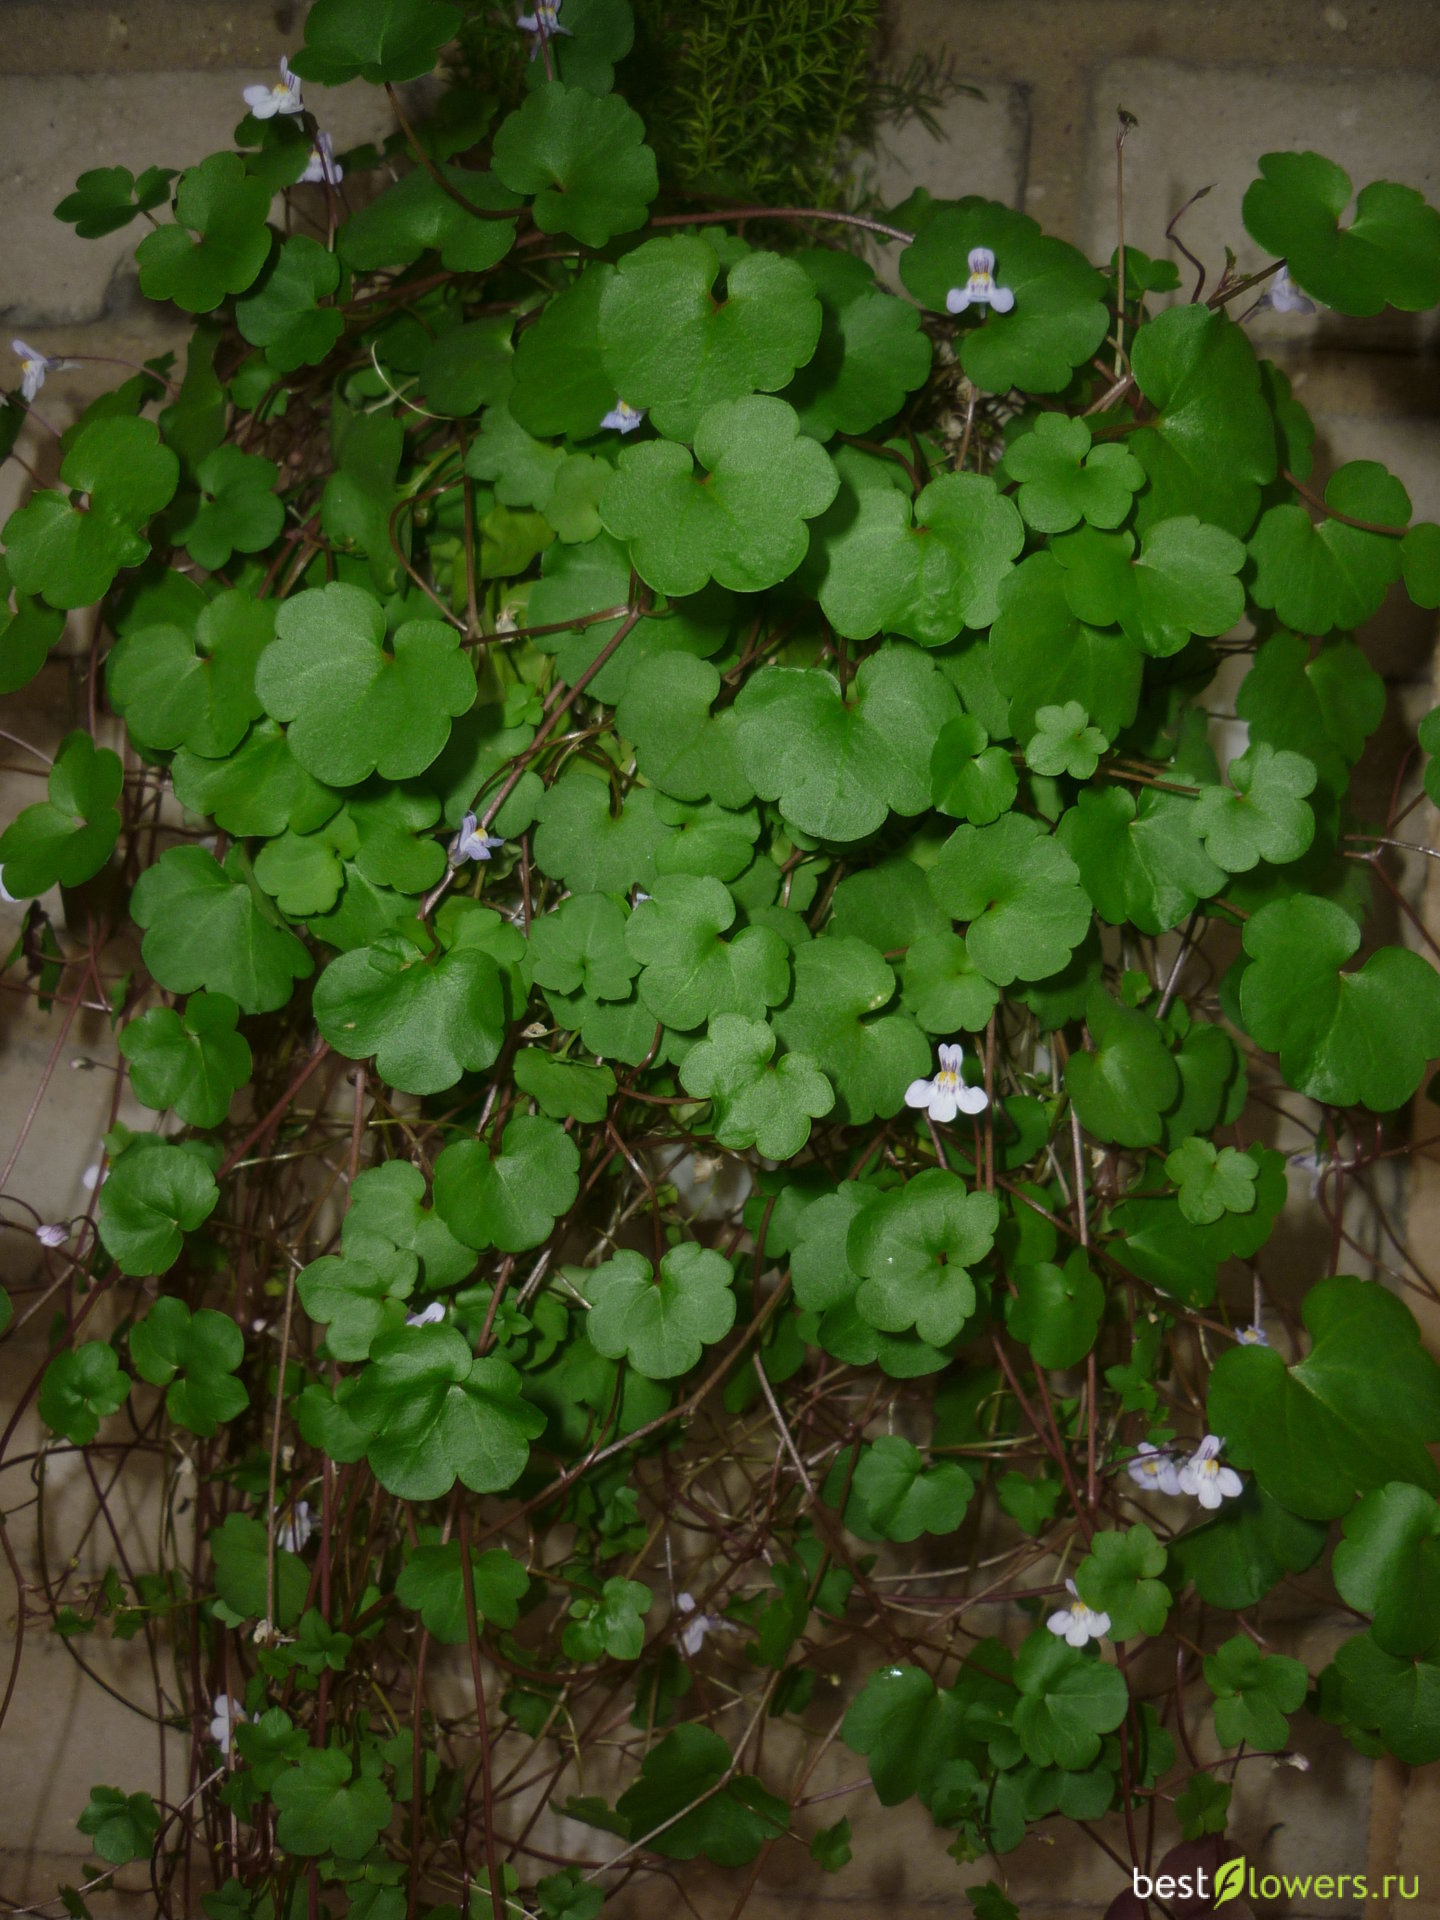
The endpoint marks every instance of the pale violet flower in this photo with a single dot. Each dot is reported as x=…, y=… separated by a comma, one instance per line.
x=697, y=1625
x=623, y=417
x=322, y=166
x=92, y=1177
x=1078, y=1623
x=1154, y=1468
x=296, y=1531
x=1203, y=1477
x=283, y=96
x=1252, y=1336
x=470, y=844
x=947, y=1094
x=34, y=366
x=226, y=1716
x=542, y=25
x=1285, y=297
x=53, y=1234
x=430, y=1316
x=981, y=289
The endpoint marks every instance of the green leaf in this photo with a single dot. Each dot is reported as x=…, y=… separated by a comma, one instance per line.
x=123, y=1826
x=895, y=1496
x=468, y=367
x=155, y=1194
x=351, y=707
x=1042, y=655
x=321, y=1811
x=660, y=1323
x=194, y=1357
x=196, y=689
x=432, y=1584
x=1420, y=563
x=1140, y=860
x=417, y=214
x=905, y=1729
x=582, y=156
x=1182, y=581
x=1123, y=1084
x=1398, y=1699
x=1389, y=254
x=580, y=841
x=1063, y=480
x=1248, y=1548
x=561, y=385
x=669, y=346
x=282, y=311
x=239, y=1550
x=927, y=581
x=870, y=355
x=913, y=1249
x=236, y=510
x=434, y=1413
x=742, y=520
x=389, y=1200
x=1211, y=446
x=70, y=555
x=1388, y=1565
x=1212, y=1183
x=1355, y=1413
x=564, y=1089
x=727, y=1819
x=81, y=1387
x=108, y=198
x=839, y=983
x=1064, y=742
x=205, y=927
x=356, y=1296
x=608, y=1623
x=361, y=496
x=1253, y=1694
x=969, y=779
x=1056, y=1311
x=374, y=40
x=944, y=988
x=218, y=241
x=261, y=788
x=1319, y=576
x=581, y=946
x=193, y=1062
x=426, y=1019
x=1067, y=1700
x=1020, y=892
x=688, y=973
x=513, y=1199
x=756, y=1104
x=1204, y=1806
x=1347, y=1038
x=1323, y=703
x=1118, y=1577
x=65, y=840
x=26, y=635
x=837, y=767
x=830, y=1847
x=1059, y=316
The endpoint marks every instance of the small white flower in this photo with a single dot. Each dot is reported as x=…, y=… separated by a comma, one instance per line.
x=53, y=1234
x=1203, y=1477
x=692, y=1636
x=92, y=1177
x=34, y=366
x=947, y=1094
x=543, y=24
x=1154, y=1469
x=1252, y=1336
x=623, y=417
x=1078, y=1623
x=470, y=844
x=226, y=1716
x=281, y=97
x=430, y=1316
x=981, y=289
x=322, y=166
x=297, y=1530
x=1285, y=297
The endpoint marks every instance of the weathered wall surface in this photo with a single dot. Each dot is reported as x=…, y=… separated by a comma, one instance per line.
x=1212, y=84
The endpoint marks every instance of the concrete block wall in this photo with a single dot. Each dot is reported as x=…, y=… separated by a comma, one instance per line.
x=1212, y=84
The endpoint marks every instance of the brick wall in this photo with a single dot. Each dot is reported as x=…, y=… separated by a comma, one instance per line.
x=1212, y=84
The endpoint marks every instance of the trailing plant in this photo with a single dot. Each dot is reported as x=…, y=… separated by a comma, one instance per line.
x=699, y=1027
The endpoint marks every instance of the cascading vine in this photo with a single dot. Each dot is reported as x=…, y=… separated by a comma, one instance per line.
x=721, y=1045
